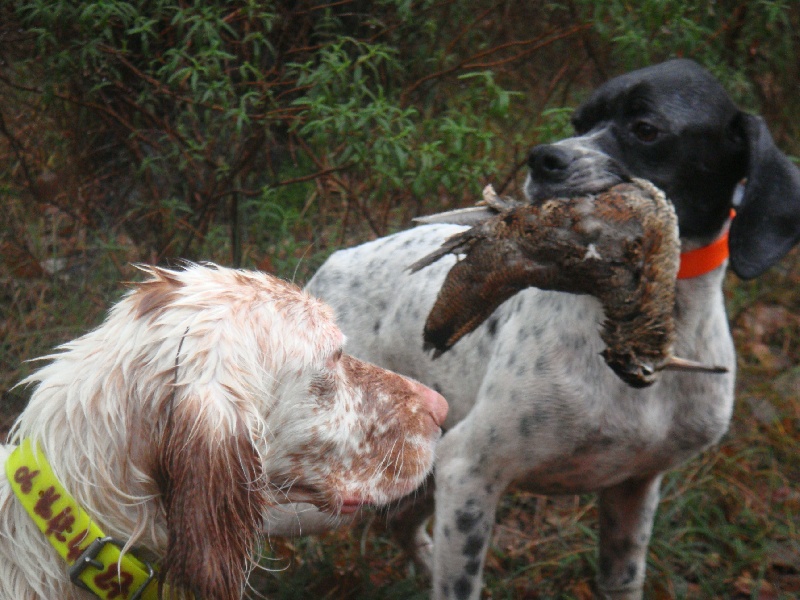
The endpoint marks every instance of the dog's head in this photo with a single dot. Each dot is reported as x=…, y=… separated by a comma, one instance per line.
x=674, y=125
x=209, y=395
x=262, y=407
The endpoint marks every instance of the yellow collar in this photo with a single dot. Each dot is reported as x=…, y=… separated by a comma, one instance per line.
x=96, y=562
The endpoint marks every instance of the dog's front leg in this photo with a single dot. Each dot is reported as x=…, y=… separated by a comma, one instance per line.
x=466, y=502
x=626, y=522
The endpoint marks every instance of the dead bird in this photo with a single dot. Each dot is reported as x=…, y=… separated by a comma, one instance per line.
x=620, y=245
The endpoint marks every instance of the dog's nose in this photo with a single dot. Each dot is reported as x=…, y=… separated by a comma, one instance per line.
x=434, y=403
x=549, y=163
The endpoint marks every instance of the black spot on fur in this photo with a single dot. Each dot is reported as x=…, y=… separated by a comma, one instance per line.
x=533, y=420
x=463, y=588
x=472, y=567
x=526, y=424
x=476, y=469
x=466, y=520
x=494, y=437
x=630, y=572
x=576, y=343
x=491, y=326
x=473, y=546
x=377, y=326
x=691, y=441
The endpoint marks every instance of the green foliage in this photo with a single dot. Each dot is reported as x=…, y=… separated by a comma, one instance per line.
x=167, y=90
x=736, y=40
x=199, y=104
x=346, y=109
x=555, y=124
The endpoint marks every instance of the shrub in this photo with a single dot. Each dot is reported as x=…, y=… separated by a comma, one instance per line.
x=181, y=117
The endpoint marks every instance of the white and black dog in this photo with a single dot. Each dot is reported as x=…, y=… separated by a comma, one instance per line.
x=531, y=400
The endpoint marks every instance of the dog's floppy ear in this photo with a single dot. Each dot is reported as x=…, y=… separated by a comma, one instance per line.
x=767, y=223
x=213, y=494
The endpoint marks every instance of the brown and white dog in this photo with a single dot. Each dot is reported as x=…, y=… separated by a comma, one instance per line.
x=208, y=396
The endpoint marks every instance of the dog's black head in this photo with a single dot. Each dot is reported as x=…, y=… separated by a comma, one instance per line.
x=674, y=124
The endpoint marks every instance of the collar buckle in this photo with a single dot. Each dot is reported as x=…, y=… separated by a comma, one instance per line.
x=88, y=558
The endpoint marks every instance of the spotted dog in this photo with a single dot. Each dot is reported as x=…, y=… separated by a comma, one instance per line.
x=531, y=400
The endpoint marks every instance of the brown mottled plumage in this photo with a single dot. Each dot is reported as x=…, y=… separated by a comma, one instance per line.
x=620, y=246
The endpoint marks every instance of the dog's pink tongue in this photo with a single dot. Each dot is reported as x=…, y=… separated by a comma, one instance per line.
x=350, y=506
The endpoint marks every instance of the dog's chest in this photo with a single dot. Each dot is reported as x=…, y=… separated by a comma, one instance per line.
x=596, y=456
x=567, y=424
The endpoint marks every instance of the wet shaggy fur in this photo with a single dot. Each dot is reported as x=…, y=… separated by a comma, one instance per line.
x=208, y=397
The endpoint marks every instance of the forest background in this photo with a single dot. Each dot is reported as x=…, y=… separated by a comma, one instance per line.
x=267, y=134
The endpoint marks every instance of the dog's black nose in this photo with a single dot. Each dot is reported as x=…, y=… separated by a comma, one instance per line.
x=549, y=163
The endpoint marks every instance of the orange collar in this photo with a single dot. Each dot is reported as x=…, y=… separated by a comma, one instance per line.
x=704, y=260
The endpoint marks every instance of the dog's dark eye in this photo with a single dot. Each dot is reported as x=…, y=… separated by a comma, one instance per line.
x=644, y=131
